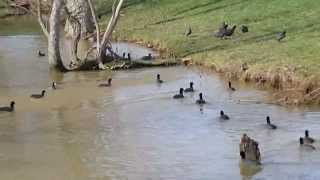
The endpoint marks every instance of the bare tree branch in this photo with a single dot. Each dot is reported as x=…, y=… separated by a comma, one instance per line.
x=39, y=15
x=111, y=25
x=43, y=27
x=112, y=22
x=22, y=8
x=93, y=13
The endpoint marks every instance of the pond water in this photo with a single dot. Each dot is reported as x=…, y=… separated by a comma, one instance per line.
x=134, y=129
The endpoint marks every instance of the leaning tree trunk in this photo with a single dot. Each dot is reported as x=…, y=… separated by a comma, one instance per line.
x=54, y=56
x=107, y=34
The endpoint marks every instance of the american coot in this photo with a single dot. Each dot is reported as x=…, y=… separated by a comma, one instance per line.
x=307, y=138
x=41, y=54
x=302, y=144
x=223, y=116
x=8, y=109
x=149, y=57
x=159, y=79
x=244, y=29
x=281, y=35
x=189, y=89
x=180, y=95
x=38, y=96
x=106, y=84
x=129, y=57
x=271, y=126
x=200, y=100
x=230, y=86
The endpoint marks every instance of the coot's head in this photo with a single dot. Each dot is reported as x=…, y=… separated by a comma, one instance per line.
x=301, y=140
x=12, y=104
x=181, y=91
x=43, y=92
x=229, y=84
x=200, y=96
x=306, y=133
x=191, y=84
x=221, y=113
x=268, y=119
x=158, y=76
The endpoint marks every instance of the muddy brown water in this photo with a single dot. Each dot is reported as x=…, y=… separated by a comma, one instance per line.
x=134, y=129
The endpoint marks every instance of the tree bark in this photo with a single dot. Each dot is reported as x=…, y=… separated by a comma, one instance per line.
x=54, y=56
x=80, y=10
x=76, y=36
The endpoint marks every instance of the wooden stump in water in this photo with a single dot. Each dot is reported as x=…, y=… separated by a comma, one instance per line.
x=249, y=149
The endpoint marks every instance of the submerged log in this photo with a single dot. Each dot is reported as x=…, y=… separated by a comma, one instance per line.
x=91, y=65
x=121, y=65
x=249, y=149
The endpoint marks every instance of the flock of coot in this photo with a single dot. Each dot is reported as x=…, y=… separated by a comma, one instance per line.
x=224, y=31
x=306, y=141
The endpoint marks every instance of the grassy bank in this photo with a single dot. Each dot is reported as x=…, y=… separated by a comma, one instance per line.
x=291, y=66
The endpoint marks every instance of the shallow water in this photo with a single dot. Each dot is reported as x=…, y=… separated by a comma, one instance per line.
x=135, y=130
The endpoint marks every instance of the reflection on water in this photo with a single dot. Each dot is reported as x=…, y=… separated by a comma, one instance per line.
x=19, y=25
x=136, y=51
x=248, y=169
x=135, y=130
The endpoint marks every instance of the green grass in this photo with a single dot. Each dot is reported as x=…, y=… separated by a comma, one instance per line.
x=3, y=8
x=163, y=22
